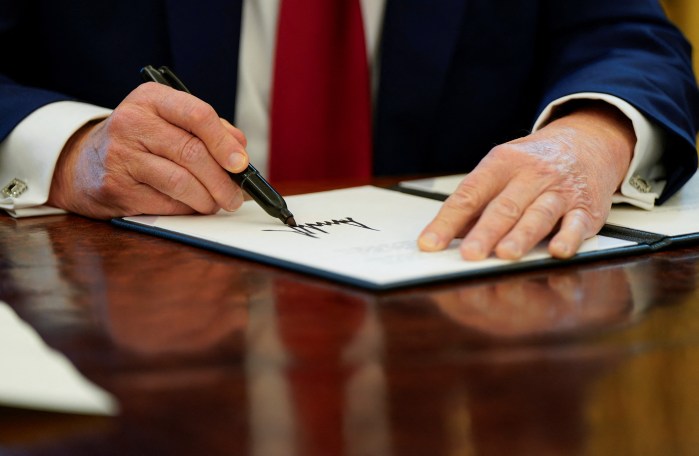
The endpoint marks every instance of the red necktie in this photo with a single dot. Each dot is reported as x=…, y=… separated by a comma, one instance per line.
x=321, y=105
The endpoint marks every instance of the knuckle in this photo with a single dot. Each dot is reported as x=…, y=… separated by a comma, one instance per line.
x=200, y=112
x=146, y=87
x=192, y=151
x=464, y=199
x=592, y=220
x=177, y=183
x=584, y=221
x=506, y=207
x=119, y=119
x=528, y=231
x=500, y=150
x=544, y=211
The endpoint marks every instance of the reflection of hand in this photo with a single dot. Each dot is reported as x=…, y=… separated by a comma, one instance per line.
x=157, y=327
x=566, y=172
x=191, y=307
x=161, y=151
x=528, y=307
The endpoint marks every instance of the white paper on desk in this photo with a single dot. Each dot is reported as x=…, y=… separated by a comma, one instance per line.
x=33, y=375
x=677, y=216
x=382, y=253
x=444, y=185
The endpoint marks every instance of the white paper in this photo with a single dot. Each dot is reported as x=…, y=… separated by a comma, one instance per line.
x=35, y=376
x=677, y=216
x=444, y=185
x=368, y=235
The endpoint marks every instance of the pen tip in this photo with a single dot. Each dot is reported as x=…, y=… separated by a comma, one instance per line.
x=290, y=221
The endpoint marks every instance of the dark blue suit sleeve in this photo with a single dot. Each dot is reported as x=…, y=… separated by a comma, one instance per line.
x=16, y=101
x=627, y=49
x=92, y=51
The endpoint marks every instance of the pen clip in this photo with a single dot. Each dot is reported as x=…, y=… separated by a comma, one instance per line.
x=149, y=73
x=163, y=75
x=174, y=81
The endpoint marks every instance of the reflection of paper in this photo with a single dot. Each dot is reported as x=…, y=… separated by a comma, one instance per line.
x=35, y=376
x=677, y=216
x=377, y=248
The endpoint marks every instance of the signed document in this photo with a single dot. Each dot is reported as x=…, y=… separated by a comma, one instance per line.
x=365, y=236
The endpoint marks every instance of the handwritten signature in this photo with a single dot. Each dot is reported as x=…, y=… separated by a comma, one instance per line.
x=312, y=230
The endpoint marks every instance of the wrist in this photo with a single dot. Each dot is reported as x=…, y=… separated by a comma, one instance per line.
x=611, y=130
x=62, y=179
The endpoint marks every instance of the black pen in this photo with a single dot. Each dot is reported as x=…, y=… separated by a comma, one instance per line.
x=249, y=180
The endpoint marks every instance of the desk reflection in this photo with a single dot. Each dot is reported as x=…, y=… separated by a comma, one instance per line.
x=560, y=302
x=240, y=359
x=144, y=313
x=212, y=355
x=505, y=366
x=316, y=379
x=148, y=295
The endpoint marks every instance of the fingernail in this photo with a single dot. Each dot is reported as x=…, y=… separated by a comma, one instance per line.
x=473, y=250
x=511, y=249
x=236, y=162
x=561, y=248
x=429, y=241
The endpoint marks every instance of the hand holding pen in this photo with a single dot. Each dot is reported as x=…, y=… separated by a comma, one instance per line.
x=249, y=179
x=160, y=151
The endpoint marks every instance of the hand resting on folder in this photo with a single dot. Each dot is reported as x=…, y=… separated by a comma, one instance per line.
x=559, y=179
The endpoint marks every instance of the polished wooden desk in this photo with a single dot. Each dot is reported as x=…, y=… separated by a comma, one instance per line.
x=209, y=354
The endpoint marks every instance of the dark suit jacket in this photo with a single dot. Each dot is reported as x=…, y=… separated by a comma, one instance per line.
x=456, y=76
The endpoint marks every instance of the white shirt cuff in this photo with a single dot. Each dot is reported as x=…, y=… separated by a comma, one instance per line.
x=29, y=153
x=645, y=179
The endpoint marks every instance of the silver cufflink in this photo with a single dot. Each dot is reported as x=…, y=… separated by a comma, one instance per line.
x=640, y=184
x=15, y=188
